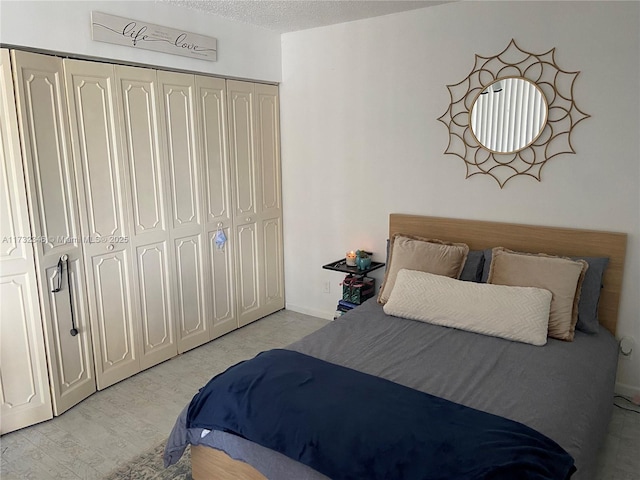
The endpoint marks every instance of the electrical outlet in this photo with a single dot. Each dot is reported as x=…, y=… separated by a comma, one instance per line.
x=326, y=287
x=626, y=346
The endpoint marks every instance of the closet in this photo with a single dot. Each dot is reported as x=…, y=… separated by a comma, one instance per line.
x=133, y=178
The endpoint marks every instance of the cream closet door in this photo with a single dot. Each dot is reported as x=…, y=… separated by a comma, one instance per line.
x=149, y=233
x=24, y=383
x=212, y=120
x=104, y=205
x=255, y=160
x=243, y=161
x=54, y=218
x=270, y=201
x=187, y=231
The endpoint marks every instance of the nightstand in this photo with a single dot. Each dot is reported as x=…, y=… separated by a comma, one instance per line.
x=356, y=286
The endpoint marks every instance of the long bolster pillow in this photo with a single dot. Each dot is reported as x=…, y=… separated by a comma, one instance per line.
x=515, y=313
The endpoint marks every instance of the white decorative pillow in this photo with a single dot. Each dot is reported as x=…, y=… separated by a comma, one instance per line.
x=515, y=313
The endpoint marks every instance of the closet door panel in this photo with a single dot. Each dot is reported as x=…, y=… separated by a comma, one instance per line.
x=268, y=159
x=193, y=330
x=92, y=116
x=268, y=148
x=16, y=247
x=24, y=383
x=179, y=118
x=138, y=92
x=42, y=103
x=104, y=207
x=241, y=139
x=74, y=378
x=49, y=173
x=212, y=118
x=149, y=237
x=179, y=124
x=273, y=263
x=158, y=339
x=114, y=324
x=222, y=292
x=247, y=271
x=24, y=389
x=255, y=157
x=246, y=219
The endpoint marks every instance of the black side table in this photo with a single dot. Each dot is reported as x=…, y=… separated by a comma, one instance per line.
x=341, y=266
x=357, y=287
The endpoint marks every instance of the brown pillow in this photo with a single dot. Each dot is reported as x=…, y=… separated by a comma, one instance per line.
x=421, y=254
x=560, y=275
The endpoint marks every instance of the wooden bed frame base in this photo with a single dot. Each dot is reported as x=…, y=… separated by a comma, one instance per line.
x=208, y=463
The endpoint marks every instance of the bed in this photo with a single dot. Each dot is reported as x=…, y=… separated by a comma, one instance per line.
x=562, y=389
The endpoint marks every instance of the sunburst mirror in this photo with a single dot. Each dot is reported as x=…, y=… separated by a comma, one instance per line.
x=513, y=113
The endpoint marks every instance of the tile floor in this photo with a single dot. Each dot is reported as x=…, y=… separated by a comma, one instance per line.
x=115, y=425
x=619, y=457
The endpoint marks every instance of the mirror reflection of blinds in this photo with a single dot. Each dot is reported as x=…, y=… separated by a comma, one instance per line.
x=508, y=115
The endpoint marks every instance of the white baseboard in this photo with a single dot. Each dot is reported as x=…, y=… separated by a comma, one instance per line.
x=628, y=391
x=310, y=311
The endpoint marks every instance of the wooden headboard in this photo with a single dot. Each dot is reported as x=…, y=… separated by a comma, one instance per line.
x=481, y=235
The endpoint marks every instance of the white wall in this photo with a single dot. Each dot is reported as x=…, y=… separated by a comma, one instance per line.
x=244, y=51
x=360, y=138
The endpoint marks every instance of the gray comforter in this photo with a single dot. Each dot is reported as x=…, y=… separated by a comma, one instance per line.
x=564, y=389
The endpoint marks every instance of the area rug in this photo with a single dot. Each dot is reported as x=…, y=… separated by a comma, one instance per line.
x=149, y=466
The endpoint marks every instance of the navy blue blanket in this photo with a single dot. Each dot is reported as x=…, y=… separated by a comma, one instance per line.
x=351, y=425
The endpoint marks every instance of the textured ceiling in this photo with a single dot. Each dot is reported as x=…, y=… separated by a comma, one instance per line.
x=291, y=15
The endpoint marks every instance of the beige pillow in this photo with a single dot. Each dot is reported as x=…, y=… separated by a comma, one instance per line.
x=520, y=314
x=561, y=276
x=423, y=255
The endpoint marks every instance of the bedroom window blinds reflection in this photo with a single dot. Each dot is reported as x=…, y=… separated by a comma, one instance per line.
x=508, y=115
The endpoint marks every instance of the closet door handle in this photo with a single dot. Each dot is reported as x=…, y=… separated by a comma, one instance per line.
x=64, y=260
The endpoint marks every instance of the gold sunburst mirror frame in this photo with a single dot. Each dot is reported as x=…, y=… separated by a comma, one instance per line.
x=554, y=135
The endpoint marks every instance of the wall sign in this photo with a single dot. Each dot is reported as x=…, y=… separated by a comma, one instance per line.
x=134, y=33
